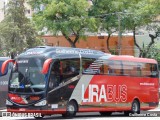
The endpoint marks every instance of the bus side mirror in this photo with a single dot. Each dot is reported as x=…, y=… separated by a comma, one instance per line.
x=4, y=69
x=46, y=66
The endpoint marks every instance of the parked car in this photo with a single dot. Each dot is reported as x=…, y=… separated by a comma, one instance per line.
x=4, y=82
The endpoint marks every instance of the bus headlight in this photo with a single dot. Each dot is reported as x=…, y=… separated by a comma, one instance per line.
x=41, y=103
x=8, y=103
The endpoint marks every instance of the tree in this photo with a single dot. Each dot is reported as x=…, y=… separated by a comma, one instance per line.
x=143, y=13
x=16, y=31
x=129, y=15
x=71, y=17
x=66, y=17
x=154, y=53
x=110, y=14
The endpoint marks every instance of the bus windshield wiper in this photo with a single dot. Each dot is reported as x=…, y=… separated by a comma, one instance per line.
x=25, y=83
x=29, y=83
x=19, y=83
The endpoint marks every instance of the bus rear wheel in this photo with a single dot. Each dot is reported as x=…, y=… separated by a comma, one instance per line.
x=105, y=113
x=135, y=107
x=71, y=109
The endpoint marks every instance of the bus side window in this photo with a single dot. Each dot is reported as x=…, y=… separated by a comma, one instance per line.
x=118, y=68
x=54, y=79
x=115, y=68
x=105, y=69
x=110, y=68
x=146, y=70
x=126, y=68
x=101, y=70
x=87, y=66
x=70, y=68
x=139, y=73
x=55, y=75
x=154, y=70
x=133, y=71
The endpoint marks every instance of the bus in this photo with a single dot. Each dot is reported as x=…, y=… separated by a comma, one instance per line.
x=62, y=80
x=4, y=82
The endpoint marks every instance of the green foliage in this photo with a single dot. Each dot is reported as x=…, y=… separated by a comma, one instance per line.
x=132, y=14
x=75, y=17
x=69, y=17
x=16, y=31
x=154, y=53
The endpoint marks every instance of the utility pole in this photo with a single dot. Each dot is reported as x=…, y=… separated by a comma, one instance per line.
x=119, y=30
x=119, y=33
x=118, y=14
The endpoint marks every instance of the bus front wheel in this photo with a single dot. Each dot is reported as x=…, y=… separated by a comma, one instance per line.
x=71, y=109
x=41, y=117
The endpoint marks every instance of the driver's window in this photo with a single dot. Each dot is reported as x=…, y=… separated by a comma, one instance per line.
x=54, y=79
x=69, y=68
x=63, y=71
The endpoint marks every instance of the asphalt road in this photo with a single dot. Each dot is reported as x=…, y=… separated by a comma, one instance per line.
x=155, y=115
x=144, y=115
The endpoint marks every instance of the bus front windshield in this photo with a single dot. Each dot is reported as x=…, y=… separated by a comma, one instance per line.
x=26, y=76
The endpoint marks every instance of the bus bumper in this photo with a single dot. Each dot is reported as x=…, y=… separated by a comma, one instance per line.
x=35, y=111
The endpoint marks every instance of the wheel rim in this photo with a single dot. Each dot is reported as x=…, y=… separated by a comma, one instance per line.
x=135, y=107
x=71, y=108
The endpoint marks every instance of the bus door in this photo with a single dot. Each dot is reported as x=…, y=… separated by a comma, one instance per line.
x=70, y=70
x=53, y=83
x=64, y=74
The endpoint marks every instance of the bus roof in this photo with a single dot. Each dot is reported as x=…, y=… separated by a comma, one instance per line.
x=50, y=51
x=132, y=59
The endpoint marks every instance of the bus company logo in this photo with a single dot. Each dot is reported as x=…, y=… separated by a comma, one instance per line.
x=22, y=61
x=64, y=51
x=15, y=98
x=147, y=84
x=9, y=114
x=6, y=114
x=106, y=93
x=33, y=52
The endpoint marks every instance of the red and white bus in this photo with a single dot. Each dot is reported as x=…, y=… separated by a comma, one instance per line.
x=60, y=80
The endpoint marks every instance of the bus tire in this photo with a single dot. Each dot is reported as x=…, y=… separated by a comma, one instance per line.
x=126, y=113
x=135, y=107
x=39, y=117
x=71, y=109
x=105, y=113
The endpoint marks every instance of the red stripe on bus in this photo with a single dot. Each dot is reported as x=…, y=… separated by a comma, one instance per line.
x=133, y=59
x=43, y=112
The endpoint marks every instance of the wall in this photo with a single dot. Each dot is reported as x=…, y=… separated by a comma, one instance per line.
x=95, y=42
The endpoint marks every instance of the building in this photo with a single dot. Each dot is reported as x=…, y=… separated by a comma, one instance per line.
x=2, y=9
x=95, y=42
x=3, y=5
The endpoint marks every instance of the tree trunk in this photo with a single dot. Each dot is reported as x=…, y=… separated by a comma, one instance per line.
x=135, y=42
x=107, y=42
x=151, y=43
x=73, y=44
